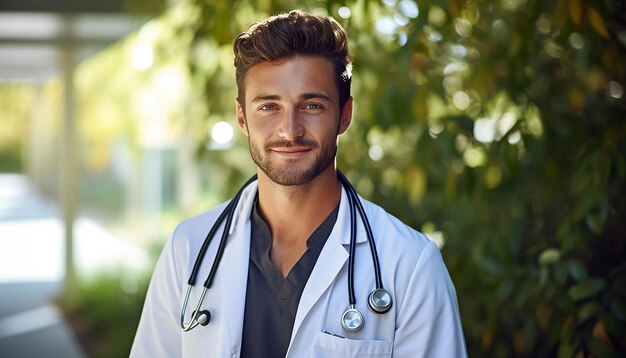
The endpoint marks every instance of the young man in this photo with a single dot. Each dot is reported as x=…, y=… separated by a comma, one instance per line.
x=282, y=287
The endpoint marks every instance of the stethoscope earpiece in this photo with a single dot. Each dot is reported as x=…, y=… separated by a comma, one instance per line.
x=380, y=300
x=352, y=320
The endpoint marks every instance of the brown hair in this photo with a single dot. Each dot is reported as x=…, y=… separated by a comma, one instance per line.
x=287, y=35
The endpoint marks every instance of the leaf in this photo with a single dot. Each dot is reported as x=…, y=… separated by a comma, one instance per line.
x=575, y=11
x=415, y=181
x=504, y=291
x=566, y=350
x=599, y=348
x=587, y=203
x=577, y=271
x=576, y=99
x=586, y=288
x=596, y=222
x=542, y=314
x=596, y=219
x=491, y=266
x=587, y=311
x=619, y=271
x=618, y=308
x=529, y=337
x=549, y=257
x=621, y=167
x=543, y=276
x=596, y=21
x=613, y=327
x=567, y=329
x=560, y=272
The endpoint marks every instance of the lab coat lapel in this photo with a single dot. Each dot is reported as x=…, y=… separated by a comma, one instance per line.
x=330, y=261
x=234, y=272
x=333, y=256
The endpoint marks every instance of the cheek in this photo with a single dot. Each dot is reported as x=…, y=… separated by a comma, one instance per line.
x=264, y=126
x=259, y=134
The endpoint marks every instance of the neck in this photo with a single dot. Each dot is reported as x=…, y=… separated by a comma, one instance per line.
x=294, y=212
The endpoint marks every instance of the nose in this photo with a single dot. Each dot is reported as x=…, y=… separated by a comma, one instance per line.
x=291, y=125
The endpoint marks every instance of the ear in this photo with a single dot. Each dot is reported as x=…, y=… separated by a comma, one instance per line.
x=346, y=116
x=241, y=118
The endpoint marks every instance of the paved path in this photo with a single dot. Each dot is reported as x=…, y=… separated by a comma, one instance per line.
x=30, y=281
x=32, y=270
x=31, y=325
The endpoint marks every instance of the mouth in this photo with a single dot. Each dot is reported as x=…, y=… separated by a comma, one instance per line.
x=291, y=151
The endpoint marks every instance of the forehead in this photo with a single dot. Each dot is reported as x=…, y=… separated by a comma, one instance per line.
x=289, y=77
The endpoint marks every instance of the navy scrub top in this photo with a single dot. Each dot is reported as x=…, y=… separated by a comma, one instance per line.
x=271, y=299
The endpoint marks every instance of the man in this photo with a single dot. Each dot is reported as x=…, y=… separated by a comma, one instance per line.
x=282, y=286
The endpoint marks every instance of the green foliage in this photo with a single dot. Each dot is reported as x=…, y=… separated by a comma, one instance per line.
x=104, y=312
x=11, y=159
x=497, y=123
x=532, y=213
x=14, y=114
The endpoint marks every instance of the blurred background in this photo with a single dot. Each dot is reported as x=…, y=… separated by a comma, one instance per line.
x=496, y=127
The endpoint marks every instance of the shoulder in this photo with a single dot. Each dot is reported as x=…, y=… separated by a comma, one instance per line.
x=391, y=234
x=412, y=264
x=197, y=227
x=405, y=254
x=200, y=221
x=190, y=233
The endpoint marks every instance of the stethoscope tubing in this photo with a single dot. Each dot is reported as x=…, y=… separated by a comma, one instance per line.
x=228, y=214
x=352, y=247
x=368, y=229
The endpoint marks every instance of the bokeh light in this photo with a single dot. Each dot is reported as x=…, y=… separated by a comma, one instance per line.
x=616, y=90
x=142, y=57
x=344, y=12
x=375, y=152
x=222, y=132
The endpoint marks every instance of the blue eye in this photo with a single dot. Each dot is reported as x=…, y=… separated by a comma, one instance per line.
x=313, y=106
x=267, y=107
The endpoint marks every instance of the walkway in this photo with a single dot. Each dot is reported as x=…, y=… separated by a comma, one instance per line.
x=32, y=270
x=31, y=325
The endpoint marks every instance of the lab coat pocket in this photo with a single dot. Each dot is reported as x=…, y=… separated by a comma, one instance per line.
x=329, y=346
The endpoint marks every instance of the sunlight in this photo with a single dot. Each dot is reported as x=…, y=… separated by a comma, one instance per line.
x=222, y=132
x=142, y=57
x=32, y=250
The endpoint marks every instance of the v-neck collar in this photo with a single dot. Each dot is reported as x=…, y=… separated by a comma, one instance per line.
x=261, y=243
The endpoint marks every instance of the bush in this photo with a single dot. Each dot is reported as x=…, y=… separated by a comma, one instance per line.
x=104, y=312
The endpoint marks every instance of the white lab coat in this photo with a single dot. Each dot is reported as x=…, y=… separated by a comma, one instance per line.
x=423, y=322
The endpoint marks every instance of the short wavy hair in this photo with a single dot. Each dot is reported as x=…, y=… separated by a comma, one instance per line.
x=295, y=33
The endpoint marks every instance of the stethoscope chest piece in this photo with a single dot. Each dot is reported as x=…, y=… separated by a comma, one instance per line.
x=203, y=318
x=352, y=320
x=380, y=300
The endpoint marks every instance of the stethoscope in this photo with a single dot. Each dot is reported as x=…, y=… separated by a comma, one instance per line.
x=379, y=300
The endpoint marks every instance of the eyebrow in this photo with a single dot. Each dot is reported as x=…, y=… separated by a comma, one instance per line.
x=311, y=95
x=302, y=97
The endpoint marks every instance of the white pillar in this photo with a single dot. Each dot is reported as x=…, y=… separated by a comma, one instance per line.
x=68, y=163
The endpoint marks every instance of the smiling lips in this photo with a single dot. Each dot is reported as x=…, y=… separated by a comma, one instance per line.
x=291, y=151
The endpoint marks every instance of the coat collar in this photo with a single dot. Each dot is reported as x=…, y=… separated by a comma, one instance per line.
x=329, y=263
x=333, y=257
x=244, y=207
x=235, y=263
x=342, y=227
x=341, y=231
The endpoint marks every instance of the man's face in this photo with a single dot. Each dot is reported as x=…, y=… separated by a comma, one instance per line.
x=292, y=118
